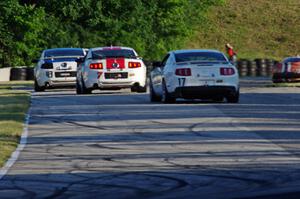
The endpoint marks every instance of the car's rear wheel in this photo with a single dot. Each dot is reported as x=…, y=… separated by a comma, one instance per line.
x=233, y=98
x=84, y=89
x=38, y=88
x=166, y=96
x=142, y=89
x=78, y=88
x=153, y=96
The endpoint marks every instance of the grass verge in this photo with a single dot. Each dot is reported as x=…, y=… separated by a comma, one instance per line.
x=14, y=103
x=255, y=28
x=285, y=84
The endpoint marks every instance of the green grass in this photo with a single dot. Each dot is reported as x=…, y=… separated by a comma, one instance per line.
x=256, y=28
x=13, y=108
x=285, y=84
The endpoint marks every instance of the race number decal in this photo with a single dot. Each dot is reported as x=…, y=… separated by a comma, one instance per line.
x=181, y=82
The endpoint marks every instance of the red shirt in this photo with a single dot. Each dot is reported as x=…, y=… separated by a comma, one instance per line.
x=231, y=53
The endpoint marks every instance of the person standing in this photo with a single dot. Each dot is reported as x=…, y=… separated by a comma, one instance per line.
x=231, y=53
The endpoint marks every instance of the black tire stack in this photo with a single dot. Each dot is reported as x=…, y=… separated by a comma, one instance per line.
x=243, y=67
x=30, y=73
x=257, y=67
x=252, y=69
x=21, y=74
x=18, y=74
x=270, y=65
x=261, y=67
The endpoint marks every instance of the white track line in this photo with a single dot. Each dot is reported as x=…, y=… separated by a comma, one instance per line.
x=13, y=158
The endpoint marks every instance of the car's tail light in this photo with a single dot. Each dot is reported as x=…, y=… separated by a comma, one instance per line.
x=96, y=66
x=134, y=64
x=183, y=72
x=227, y=71
x=47, y=65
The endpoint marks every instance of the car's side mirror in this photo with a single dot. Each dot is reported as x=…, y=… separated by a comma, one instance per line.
x=80, y=60
x=156, y=64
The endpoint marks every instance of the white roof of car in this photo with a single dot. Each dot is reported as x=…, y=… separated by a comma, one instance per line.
x=194, y=50
x=54, y=49
x=112, y=47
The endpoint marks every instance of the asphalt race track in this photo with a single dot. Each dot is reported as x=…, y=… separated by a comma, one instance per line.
x=119, y=145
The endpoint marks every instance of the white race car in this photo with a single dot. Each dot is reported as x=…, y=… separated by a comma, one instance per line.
x=194, y=74
x=56, y=67
x=111, y=68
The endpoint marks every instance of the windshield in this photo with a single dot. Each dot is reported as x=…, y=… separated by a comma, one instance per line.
x=64, y=53
x=126, y=53
x=200, y=56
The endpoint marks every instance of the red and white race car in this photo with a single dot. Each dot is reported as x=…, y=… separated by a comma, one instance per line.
x=287, y=71
x=110, y=68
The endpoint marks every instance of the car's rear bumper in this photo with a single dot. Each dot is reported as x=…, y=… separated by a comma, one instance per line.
x=202, y=92
x=58, y=83
x=107, y=84
x=289, y=76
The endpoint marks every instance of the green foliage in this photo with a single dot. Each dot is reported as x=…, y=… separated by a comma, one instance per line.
x=255, y=28
x=20, y=32
x=152, y=27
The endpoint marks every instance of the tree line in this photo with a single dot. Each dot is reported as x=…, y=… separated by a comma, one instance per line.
x=152, y=27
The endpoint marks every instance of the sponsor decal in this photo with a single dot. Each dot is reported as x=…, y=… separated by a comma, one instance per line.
x=115, y=64
x=64, y=65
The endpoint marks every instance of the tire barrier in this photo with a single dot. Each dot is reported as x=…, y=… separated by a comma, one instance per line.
x=30, y=73
x=21, y=74
x=242, y=67
x=270, y=65
x=261, y=67
x=18, y=74
x=252, y=69
x=257, y=67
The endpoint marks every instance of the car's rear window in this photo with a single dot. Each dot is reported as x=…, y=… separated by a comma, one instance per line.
x=126, y=53
x=64, y=53
x=292, y=59
x=200, y=56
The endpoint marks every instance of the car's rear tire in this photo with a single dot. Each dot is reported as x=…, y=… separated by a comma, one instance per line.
x=78, y=88
x=38, y=88
x=166, y=97
x=142, y=89
x=84, y=89
x=153, y=96
x=233, y=98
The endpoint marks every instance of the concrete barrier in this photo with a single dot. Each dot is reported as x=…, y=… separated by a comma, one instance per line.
x=5, y=74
